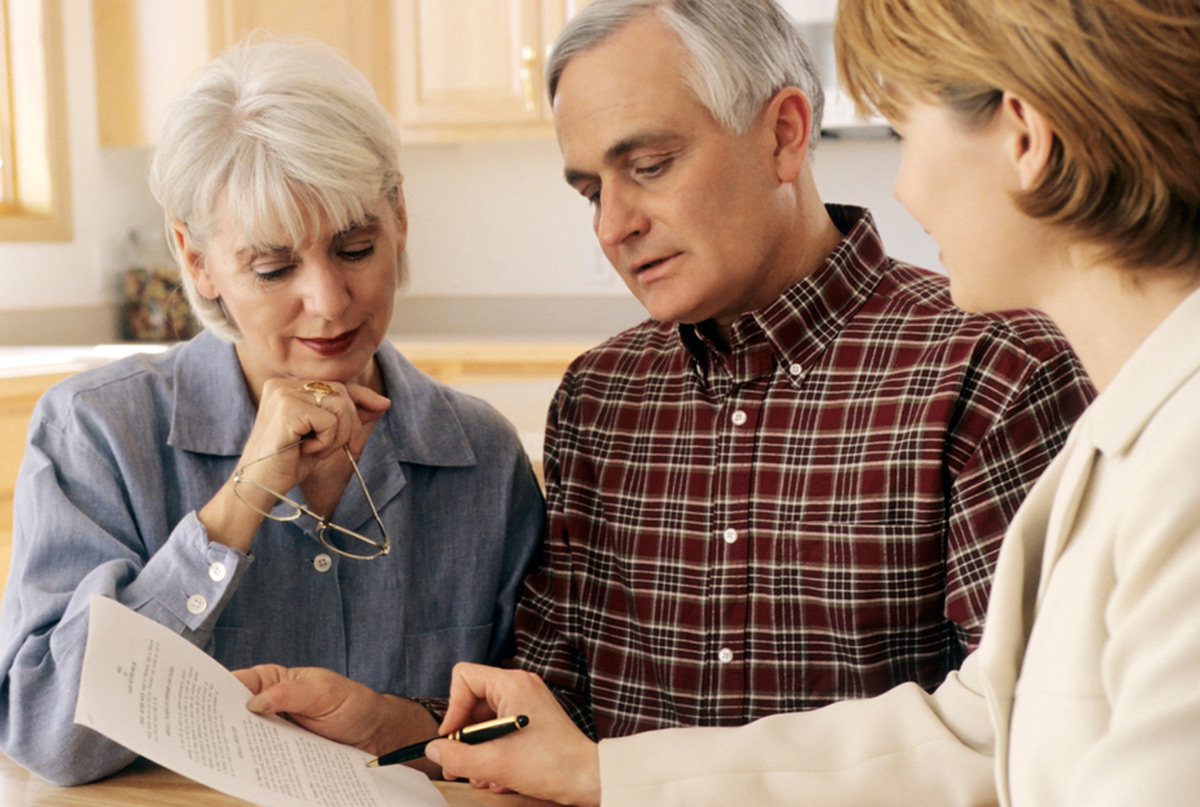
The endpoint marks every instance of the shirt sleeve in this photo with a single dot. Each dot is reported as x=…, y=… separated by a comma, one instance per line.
x=905, y=748
x=548, y=615
x=1017, y=411
x=525, y=519
x=75, y=535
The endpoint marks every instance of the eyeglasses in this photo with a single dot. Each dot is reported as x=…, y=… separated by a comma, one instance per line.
x=324, y=526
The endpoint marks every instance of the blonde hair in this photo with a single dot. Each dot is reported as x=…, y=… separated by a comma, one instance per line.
x=283, y=131
x=1119, y=81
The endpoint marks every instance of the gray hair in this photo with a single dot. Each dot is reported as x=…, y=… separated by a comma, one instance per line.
x=742, y=52
x=282, y=131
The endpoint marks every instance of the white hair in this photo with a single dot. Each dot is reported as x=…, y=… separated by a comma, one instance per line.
x=283, y=132
x=742, y=52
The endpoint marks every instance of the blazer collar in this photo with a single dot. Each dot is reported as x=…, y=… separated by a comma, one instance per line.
x=1163, y=362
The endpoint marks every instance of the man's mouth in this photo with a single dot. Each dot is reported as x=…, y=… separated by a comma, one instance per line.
x=651, y=265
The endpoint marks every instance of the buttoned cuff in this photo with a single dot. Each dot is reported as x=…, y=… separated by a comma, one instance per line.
x=190, y=578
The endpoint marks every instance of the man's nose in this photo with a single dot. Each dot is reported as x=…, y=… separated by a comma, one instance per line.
x=619, y=215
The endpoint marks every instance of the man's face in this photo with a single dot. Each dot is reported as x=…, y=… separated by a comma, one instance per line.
x=687, y=213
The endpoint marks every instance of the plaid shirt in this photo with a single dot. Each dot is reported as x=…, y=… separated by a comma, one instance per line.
x=809, y=516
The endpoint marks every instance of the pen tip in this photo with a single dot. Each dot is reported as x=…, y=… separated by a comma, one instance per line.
x=373, y=763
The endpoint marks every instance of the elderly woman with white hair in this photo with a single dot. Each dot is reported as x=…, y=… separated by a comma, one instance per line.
x=284, y=489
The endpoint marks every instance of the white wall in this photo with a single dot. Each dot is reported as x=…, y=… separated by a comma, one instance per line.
x=487, y=219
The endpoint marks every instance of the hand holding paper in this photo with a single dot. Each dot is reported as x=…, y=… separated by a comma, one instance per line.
x=155, y=693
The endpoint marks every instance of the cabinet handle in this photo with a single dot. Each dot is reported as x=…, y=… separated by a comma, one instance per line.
x=528, y=64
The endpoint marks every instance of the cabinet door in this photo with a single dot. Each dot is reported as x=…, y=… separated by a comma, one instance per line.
x=469, y=64
x=360, y=29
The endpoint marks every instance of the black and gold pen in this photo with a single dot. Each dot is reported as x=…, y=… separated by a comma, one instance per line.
x=478, y=733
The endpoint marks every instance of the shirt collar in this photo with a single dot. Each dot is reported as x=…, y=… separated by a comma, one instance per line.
x=213, y=412
x=800, y=324
x=1160, y=365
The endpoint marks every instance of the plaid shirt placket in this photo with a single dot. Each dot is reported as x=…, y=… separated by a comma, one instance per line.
x=868, y=491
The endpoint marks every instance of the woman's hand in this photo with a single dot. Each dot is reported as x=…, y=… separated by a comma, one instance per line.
x=295, y=430
x=549, y=759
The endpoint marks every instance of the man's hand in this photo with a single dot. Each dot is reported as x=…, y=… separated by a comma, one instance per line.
x=550, y=759
x=336, y=707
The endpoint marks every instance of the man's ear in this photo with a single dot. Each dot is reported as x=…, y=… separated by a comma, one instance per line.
x=789, y=116
x=193, y=261
x=1031, y=139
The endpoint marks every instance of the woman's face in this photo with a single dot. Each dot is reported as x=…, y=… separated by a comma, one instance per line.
x=317, y=313
x=958, y=182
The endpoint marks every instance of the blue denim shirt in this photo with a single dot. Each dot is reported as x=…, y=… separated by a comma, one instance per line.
x=120, y=459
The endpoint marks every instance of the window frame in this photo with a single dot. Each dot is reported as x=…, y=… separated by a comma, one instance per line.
x=50, y=221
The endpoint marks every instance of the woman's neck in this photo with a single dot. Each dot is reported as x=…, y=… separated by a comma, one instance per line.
x=1107, y=311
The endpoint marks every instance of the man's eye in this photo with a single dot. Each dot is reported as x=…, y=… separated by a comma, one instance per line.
x=653, y=169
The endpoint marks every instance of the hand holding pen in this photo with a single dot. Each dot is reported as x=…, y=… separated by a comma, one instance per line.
x=478, y=733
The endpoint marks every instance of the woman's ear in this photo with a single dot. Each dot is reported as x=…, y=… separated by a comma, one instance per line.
x=401, y=215
x=1031, y=139
x=193, y=261
x=789, y=116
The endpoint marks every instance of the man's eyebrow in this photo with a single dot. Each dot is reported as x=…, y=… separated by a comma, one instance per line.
x=618, y=150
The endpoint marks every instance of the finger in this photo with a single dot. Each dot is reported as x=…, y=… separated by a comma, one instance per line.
x=468, y=688
x=367, y=399
x=292, y=695
x=250, y=679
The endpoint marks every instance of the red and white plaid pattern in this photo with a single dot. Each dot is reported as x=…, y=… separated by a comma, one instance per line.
x=811, y=516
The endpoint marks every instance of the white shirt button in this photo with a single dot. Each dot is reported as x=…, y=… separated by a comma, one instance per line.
x=739, y=417
x=197, y=604
x=795, y=370
x=217, y=572
x=725, y=656
x=730, y=536
x=322, y=562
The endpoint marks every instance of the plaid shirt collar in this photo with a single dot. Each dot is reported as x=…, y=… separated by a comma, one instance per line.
x=801, y=323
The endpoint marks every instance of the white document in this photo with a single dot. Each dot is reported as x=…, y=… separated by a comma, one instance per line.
x=160, y=696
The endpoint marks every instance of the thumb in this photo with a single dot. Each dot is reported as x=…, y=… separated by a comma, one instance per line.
x=285, y=696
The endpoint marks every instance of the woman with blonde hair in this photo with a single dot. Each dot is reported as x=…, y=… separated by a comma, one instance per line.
x=1052, y=148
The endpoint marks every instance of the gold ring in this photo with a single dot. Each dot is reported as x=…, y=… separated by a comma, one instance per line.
x=319, y=390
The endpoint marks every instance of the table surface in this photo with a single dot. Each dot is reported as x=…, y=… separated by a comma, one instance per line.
x=145, y=783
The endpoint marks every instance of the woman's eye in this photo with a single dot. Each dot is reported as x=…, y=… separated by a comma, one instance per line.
x=358, y=253
x=272, y=273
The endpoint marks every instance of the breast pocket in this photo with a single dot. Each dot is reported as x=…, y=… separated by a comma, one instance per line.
x=430, y=657
x=870, y=600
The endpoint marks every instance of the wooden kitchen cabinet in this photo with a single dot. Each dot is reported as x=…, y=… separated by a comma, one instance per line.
x=147, y=50
x=448, y=70
x=473, y=69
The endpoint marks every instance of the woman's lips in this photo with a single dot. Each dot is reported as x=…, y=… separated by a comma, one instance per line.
x=331, y=347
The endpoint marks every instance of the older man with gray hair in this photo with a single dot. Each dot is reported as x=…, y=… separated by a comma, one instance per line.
x=789, y=486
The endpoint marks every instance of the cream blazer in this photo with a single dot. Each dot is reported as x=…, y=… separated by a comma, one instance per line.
x=1085, y=689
